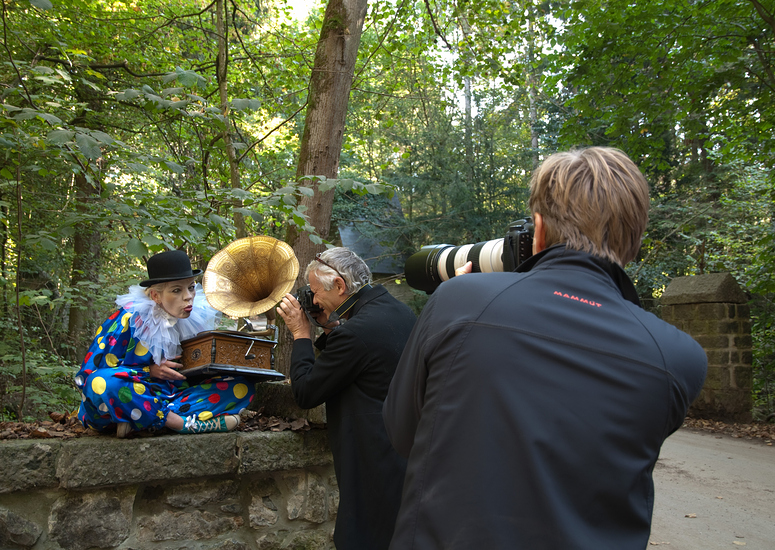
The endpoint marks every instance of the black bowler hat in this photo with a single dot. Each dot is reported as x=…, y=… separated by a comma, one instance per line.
x=171, y=265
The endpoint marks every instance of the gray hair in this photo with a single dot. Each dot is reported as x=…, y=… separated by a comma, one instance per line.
x=347, y=263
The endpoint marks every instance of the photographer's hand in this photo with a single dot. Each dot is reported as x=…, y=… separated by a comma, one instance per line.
x=462, y=270
x=295, y=319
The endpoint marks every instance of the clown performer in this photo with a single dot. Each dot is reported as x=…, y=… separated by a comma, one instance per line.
x=129, y=378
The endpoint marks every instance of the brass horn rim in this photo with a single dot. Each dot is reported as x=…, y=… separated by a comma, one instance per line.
x=250, y=276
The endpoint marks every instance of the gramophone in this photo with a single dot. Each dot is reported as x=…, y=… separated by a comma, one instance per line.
x=245, y=279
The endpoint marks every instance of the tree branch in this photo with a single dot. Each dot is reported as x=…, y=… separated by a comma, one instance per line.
x=767, y=16
x=435, y=26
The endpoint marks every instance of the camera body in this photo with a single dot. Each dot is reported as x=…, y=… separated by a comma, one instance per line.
x=305, y=296
x=436, y=263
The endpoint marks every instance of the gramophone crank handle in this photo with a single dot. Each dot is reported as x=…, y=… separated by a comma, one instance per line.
x=248, y=355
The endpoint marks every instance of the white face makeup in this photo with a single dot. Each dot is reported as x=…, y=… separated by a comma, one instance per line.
x=177, y=297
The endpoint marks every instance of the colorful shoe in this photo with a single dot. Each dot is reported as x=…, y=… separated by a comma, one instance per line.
x=123, y=430
x=225, y=423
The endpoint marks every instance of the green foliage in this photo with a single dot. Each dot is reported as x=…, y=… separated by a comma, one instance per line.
x=686, y=89
x=113, y=139
x=48, y=383
x=112, y=149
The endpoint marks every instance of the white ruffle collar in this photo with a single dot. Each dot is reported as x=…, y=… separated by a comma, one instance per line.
x=161, y=332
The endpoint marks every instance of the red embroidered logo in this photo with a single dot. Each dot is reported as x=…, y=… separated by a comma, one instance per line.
x=577, y=299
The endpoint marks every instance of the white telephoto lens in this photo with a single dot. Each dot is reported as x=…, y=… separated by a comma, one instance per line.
x=461, y=257
x=490, y=259
x=441, y=263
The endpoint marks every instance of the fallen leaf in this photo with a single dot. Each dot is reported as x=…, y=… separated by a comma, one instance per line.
x=299, y=424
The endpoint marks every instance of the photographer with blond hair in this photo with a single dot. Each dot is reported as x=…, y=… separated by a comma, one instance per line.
x=532, y=405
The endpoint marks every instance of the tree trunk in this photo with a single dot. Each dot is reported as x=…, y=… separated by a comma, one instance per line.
x=221, y=74
x=321, y=142
x=87, y=250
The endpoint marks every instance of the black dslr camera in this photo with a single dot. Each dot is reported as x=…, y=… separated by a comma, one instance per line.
x=305, y=296
x=436, y=263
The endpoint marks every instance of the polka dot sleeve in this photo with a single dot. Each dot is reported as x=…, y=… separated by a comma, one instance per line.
x=113, y=346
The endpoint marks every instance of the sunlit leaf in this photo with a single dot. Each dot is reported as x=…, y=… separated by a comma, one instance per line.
x=42, y=4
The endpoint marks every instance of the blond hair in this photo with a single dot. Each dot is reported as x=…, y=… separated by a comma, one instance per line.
x=158, y=287
x=595, y=200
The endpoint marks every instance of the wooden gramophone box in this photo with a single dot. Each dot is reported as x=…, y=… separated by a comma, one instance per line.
x=228, y=352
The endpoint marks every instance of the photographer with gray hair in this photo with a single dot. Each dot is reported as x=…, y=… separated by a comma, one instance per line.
x=364, y=332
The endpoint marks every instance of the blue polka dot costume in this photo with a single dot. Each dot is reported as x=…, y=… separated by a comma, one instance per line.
x=115, y=381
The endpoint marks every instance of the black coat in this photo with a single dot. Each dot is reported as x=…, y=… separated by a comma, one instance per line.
x=351, y=375
x=532, y=407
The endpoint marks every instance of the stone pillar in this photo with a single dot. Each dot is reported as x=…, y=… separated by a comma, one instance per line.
x=714, y=311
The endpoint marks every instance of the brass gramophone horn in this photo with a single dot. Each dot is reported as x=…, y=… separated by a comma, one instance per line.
x=250, y=276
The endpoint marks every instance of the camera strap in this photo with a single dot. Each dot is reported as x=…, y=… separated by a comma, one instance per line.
x=345, y=306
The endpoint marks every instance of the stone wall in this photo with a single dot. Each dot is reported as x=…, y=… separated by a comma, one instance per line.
x=714, y=311
x=230, y=491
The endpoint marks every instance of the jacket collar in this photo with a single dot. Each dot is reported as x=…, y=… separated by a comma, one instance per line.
x=374, y=292
x=559, y=252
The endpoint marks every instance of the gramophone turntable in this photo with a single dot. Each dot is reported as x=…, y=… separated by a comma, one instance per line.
x=245, y=279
